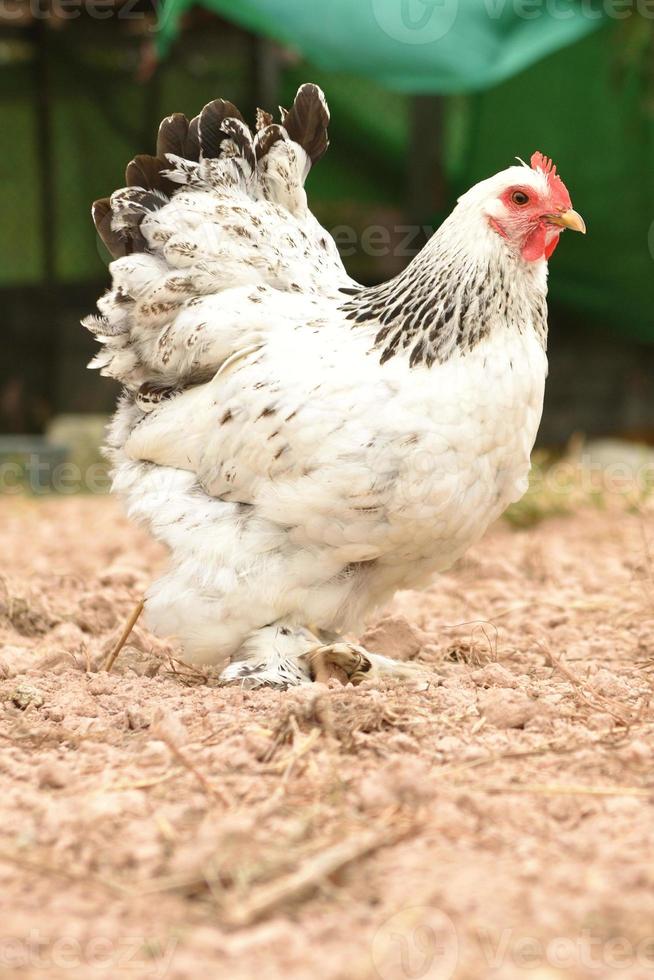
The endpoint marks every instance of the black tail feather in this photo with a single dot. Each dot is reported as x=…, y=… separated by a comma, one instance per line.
x=129, y=207
x=239, y=134
x=267, y=137
x=192, y=148
x=307, y=121
x=173, y=135
x=212, y=119
x=113, y=241
x=204, y=136
x=146, y=171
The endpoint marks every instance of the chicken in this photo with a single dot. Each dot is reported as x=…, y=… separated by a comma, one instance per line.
x=305, y=446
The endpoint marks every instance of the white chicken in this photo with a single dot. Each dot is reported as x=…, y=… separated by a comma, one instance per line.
x=303, y=445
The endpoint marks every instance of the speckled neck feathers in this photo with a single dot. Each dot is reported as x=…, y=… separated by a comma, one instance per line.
x=450, y=297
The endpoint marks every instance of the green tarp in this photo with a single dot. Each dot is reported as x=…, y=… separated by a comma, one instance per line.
x=572, y=104
x=545, y=78
x=409, y=45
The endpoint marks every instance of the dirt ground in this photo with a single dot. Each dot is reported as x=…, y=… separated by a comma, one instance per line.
x=496, y=822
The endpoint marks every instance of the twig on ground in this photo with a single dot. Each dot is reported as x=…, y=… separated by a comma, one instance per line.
x=269, y=897
x=572, y=789
x=190, y=674
x=129, y=626
x=594, y=701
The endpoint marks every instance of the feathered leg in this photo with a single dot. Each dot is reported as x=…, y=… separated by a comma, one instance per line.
x=272, y=657
x=284, y=655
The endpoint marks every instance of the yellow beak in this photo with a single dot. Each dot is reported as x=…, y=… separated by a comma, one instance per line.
x=568, y=219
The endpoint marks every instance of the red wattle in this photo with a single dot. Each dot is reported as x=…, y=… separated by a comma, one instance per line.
x=552, y=245
x=535, y=245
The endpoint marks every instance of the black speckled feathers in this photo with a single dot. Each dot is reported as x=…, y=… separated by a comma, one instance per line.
x=218, y=131
x=440, y=304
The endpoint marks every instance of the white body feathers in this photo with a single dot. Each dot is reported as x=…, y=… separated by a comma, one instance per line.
x=293, y=476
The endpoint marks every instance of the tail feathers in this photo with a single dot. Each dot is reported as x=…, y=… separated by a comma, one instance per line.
x=237, y=141
x=307, y=121
x=130, y=201
x=184, y=172
x=218, y=133
x=118, y=219
x=266, y=138
x=212, y=126
x=116, y=244
x=129, y=207
x=149, y=172
x=193, y=140
x=102, y=327
x=173, y=137
x=282, y=173
x=263, y=119
x=194, y=220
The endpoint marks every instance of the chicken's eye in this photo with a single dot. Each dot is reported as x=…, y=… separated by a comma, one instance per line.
x=519, y=197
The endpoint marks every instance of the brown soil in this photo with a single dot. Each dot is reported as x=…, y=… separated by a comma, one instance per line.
x=497, y=822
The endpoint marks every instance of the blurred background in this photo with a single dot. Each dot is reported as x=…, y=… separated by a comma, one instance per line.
x=427, y=97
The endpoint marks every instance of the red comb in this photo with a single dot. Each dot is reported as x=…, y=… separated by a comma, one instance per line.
x=557, y=187
x=540, y=162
